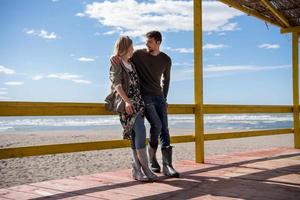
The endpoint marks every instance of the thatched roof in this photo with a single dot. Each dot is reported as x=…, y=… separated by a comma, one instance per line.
x=282, y=13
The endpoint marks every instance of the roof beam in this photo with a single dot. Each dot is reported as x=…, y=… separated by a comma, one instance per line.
x=291, y=29
x=251, y=12
x=278, y=14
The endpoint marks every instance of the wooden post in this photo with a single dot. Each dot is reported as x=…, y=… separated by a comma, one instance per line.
x=198, y=84
x=296, y=88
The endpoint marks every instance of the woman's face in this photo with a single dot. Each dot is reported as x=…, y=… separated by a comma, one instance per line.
x=130, y=51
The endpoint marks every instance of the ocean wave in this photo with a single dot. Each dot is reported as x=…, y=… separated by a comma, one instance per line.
x=210, y=121
x=5, y=128
x=59, y=121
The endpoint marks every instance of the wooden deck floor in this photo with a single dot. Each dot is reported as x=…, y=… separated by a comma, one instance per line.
x=264, y=174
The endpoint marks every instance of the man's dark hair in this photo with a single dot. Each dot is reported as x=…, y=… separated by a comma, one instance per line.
x=154, y=34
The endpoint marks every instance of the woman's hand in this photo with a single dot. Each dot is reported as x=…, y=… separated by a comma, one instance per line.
x=128, y=107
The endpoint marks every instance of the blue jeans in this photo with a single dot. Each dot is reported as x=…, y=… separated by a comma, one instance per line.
x=156, y=114
x=138, y=134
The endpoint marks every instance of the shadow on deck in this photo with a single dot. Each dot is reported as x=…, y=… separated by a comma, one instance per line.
x=264, y=174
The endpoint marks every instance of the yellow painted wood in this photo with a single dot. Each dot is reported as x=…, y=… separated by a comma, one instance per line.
x=61, y=148
x=51, y=109
x=234, y=109
x=276, y=12
x=198, y=84
x=295, y=56
x=291, y=29
x=181, y=109
x=254, y=13
x=58, y=109
x=231, y=135
x=182, y=139
x=16, y=152
x=76, y=147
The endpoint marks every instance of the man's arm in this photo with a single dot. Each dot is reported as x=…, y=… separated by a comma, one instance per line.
x=115, y=60
x=166, y=80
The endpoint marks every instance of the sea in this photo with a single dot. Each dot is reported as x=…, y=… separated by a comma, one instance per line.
x=211, y=122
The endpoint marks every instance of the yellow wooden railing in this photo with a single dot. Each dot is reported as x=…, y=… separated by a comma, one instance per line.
x=61, y=109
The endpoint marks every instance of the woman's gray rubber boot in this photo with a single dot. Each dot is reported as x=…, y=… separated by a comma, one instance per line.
x=143, y=158
x=136, y=171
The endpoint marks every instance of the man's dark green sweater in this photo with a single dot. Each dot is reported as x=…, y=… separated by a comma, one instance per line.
x=152, y=71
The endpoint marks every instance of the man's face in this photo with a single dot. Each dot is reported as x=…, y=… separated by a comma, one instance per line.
x=152, y=44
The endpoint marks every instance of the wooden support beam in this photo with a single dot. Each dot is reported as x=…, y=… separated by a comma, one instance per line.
x=198, y=82
x=295, y=57
x=250, y=12
x=291, y=29
x=276, y=12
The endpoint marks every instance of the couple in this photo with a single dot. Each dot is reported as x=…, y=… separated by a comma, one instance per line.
x=136, y=92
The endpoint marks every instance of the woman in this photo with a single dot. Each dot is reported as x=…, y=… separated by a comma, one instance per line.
x=128, y=102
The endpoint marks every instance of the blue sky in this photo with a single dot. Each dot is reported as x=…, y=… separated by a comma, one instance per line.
x=58, y=50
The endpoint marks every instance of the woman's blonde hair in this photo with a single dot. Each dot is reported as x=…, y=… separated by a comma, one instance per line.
x=122, y=45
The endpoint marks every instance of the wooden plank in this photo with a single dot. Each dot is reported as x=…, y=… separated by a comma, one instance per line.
x=291, y=29
x=58, y=109
x=75, y=147
x=234, y=109
x=295, y=56
x=276, y=12
x=62, y=109
x=242, y=134
x=198, y=82
x=250, y=12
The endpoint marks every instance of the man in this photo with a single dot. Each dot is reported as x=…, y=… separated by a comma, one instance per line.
x=153, y=68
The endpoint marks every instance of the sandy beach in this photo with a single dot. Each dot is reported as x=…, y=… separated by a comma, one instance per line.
x=40, y=168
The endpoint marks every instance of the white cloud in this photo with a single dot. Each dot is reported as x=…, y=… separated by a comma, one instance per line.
x=41, y=33
x=64, y=76
x=37, y=77
x=14, y=83
x=69, y=77
x=243, y=68
x=268, y=46
x=3, y=92
x=210, y=71
x=81, y=81
x=229, y=27
x=183, y=64
x=164, y=15
x=182, y=74
x=181, y=50
x=80, y=14
x=30, y=31
x=6, y=70
x=139, y=46
x=217, y=54
x=214, y=46
x=110, y=32
x=3, y=89
x=85, y=59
